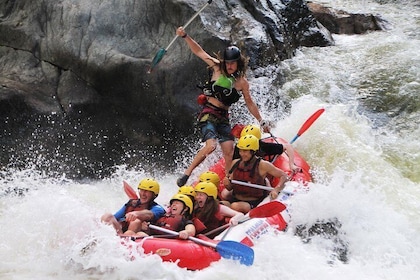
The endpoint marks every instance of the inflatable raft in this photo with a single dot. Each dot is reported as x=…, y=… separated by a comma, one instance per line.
x=196, y=255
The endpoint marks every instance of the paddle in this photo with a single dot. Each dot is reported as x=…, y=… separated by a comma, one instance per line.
x=258, y=186
x=263, y=211
x=226, y=249
x=308, y=124
x=129, y=191
x=159, y=55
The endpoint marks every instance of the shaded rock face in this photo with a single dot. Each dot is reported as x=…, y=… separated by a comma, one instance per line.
x=74, y=87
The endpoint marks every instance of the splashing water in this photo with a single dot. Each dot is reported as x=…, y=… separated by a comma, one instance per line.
x=364, y=153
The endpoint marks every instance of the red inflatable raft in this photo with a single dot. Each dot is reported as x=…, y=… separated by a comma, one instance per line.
x=195, y=256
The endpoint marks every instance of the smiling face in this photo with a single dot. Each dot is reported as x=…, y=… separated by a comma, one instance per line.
x=176, y=207
x=201, y=198
x=245, y=155
x=146, y=196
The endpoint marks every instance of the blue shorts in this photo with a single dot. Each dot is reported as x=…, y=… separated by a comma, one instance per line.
x=221, y=131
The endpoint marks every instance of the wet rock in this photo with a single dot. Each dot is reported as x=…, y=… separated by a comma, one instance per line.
x=329, y=230
x=342, y=22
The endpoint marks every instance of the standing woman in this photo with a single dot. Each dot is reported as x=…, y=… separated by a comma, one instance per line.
x=227, y=83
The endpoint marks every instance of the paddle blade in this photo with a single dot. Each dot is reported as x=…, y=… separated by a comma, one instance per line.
x=308, y=124
x=158, y=57
x=129, y=191
x=236, y=251
x=267, y=210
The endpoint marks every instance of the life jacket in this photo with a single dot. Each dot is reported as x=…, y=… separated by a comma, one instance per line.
x=172, y=222
x=223, y=90
x=135, y=205
x=214, y=222
x=247, y=172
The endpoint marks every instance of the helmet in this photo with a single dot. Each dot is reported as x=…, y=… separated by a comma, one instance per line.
x=149, y=184
x=232, y=53
x=248, y=142
x=210, y=176
x=183, y=198
x=208, y=188
x=251, y=130
x=187, y=190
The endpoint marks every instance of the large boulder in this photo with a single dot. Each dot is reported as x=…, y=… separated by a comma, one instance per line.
x=80, y=67
x=342, y=22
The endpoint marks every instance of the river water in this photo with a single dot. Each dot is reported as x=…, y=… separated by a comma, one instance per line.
x=364, y=151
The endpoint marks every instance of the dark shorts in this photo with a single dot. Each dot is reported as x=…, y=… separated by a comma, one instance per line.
x=252, y=203
x=220, y=131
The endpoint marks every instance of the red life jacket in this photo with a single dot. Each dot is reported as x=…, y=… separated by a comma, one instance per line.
x=248, y=172
x=135, y=205
x=214, y=222
x=172, y=222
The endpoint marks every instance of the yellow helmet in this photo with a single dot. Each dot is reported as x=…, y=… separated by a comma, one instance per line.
x=208, y=188
x=251, y=129
x=248, y=142
x=149, y=184
x=187, y=190
x=210, y=176
x=185, y=199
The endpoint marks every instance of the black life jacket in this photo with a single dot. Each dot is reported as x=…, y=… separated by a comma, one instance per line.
x=222, y=89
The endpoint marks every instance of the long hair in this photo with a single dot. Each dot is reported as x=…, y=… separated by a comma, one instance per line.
x=207, y=212
x=242, y=66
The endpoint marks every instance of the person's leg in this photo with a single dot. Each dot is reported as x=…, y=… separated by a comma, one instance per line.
x=134, y=227
x=208, y=130
x=208, y=148
x=241, y=206
x=227, y=149
x=226, y=143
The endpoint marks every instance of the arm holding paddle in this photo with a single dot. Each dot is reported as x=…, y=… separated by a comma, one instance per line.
x=235, y=215
x=267, y=168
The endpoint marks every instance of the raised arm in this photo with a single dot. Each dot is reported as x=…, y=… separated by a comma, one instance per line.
x=196, y=48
